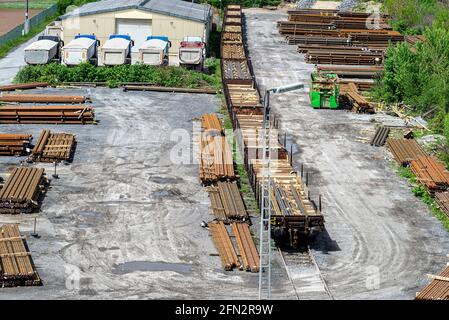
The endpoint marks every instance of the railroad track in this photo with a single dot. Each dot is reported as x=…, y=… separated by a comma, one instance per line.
x=305, y=258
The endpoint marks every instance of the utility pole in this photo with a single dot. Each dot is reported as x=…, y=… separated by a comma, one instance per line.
x=265, y=211
x=26, y=26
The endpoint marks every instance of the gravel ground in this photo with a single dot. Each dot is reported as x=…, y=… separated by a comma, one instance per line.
x=380, y=241
x=347, y=5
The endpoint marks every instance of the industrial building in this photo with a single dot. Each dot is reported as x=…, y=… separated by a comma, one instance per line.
x=175, y=19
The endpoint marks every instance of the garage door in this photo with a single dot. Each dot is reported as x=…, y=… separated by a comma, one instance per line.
x=138, y=29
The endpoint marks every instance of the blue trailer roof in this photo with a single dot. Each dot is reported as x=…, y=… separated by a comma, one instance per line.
x=163, y=38
x=122, y=36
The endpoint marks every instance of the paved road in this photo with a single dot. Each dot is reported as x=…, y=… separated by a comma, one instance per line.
x=381, y=241
x=12, y=63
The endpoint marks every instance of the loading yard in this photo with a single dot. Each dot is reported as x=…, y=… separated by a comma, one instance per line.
x=373, y=222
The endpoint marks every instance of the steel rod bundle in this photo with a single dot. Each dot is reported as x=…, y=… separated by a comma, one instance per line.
x=24, y=86
x=405, y=150
x=22, y=191
x=14, y=144
x=247, y=249
x=380, y=136
x=16, y=265
x=53, y=147
x=233, y=51
x=226, y=200
x=224, y=245
x=236, y=70
x=431, y=173
x=216, y=161
x=438, y=289
x=41, y=98
x=79, y=114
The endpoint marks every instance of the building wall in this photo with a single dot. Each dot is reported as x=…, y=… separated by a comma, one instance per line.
x=103, y=25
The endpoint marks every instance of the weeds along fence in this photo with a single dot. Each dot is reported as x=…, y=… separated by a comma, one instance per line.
x=34, y=21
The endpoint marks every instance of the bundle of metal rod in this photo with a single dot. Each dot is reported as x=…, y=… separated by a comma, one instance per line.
x=226, y=200
x=361, y=84
x=231, y=28
x=224, y=245
x=14, y=144
x=216, y=161
x=405, y=150
x=79, y=114
x=231, y=38
x=42, y=98
x=442, y=199
x=343, y=57
x=17, y=268
x=357, y=102
x=438, y=289
x=22, y=190
x=233, y=51
x=415, y=39
x=211, y=122
x=352, y=72
x=247, y=248
x=53, y=147
x=243, y=96
x=375, y=38
x=431, y=173
x=230, y=20
x=302, y=48
x=24, y=86
x=236, y=71
x=380, y=136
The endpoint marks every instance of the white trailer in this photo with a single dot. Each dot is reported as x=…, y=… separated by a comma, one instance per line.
x=82, y=49
x=153, y=52
x=116, y=51
x=192, y=53
x=43, y=51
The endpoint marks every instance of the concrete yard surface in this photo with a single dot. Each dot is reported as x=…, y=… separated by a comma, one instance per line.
x=123, y=220
x=380, y=240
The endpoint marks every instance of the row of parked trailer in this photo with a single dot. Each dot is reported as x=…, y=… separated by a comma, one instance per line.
x=118, y=50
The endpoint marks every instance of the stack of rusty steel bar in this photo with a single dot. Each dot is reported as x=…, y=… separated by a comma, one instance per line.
x=438, y=289
x=23, y=86
x=236, y=71
x=75, y=114
x=216, y=161
x=17, y=268
x=352, y=72
x=14, y=144
x=380, y=136
x=226, y=201
x=405, y=150
x=244, y=104
x=336, y=38
x=227, y=250
x=233, y=51
x=350, y=92
x=42, y=98
x=431, y=173
x=53, y=147
x=22, y=191
x=442, y=199
x=224, y=245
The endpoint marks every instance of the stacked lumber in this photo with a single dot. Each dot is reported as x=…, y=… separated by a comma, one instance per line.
x=79, y=114
x=224, y=245
x=226, y=201
x=438, y=289
x=14, y=144
x=42, y=98
x=405, y=150
x=22, y=191
x=431, y=173
x=16, y=265
x=247, y=248
x=53, y=147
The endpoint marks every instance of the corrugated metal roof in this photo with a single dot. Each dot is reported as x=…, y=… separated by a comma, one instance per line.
x=175, y=8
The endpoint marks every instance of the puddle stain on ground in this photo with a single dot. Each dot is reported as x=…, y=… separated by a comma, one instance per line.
x=133, y=266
